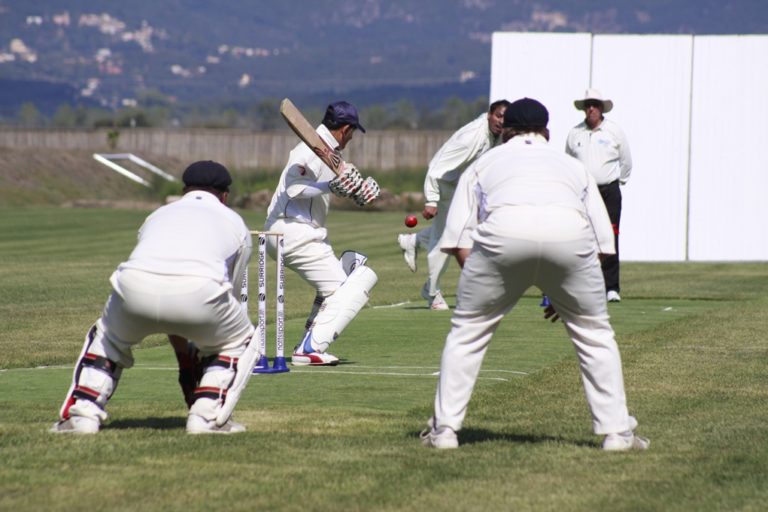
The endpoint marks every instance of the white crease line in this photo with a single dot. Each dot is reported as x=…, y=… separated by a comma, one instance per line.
x=387, y=306
x=516, y=372
x=294, y=370
x=35, y=368
x=389, y=374
x=315, y=372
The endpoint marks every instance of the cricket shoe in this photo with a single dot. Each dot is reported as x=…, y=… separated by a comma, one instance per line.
x=410, y=247
x=436, y=302
x=199, y=425
x=625, y=441
x=76, y=425
x=613, y=296
x=443, y=438
x=305, y=355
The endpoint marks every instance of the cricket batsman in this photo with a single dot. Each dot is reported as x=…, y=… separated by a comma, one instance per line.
x=298, y=210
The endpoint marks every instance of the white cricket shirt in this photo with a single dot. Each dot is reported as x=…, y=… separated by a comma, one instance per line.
x=194, y=236
x=527, y=172
x=466, y=144
x=304, y=167
x=604, y=151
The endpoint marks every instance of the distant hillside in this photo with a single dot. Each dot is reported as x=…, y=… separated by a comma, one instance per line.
x=47, y=96
x=121, y=53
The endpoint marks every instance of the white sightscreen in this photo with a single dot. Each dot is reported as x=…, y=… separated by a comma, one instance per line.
x=695, y=110
x=546, y=67
x=649, y=80
x=729, y=164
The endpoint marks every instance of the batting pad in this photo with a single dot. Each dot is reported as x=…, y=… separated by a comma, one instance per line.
x=339, y=309
x=350, y=260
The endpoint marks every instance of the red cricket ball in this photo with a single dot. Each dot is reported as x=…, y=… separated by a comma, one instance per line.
x=411, y=220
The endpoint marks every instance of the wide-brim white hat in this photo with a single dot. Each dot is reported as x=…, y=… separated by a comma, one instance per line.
x=594, y=94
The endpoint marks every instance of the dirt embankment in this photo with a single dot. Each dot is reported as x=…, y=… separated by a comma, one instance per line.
x=74, y=178
x=59, y=177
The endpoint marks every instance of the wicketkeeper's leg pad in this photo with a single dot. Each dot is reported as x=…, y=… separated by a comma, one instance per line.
x=224, y=379
x=94, y=380
x=339, y=309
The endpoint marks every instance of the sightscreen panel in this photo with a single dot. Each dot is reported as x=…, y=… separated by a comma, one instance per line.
x=729, y=179
x=648, y=78
x=694, y=109
x=547, y=67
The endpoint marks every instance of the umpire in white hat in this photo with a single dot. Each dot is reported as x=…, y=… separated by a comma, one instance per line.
x=600, y=144
x=540, y=223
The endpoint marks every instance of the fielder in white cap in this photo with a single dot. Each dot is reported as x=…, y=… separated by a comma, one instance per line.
x=540, y=223
x=298, y=210
x=600, y=144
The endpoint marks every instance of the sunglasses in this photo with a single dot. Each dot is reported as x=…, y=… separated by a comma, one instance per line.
x=593, y=103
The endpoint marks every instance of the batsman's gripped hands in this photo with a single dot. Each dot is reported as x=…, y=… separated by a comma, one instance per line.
x=347, y=183
x=368, y=192
x=351, y=184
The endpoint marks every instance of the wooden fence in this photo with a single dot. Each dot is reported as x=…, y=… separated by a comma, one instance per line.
x=238, y=149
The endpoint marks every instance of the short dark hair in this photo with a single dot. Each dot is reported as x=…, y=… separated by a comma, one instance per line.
x=496, y=104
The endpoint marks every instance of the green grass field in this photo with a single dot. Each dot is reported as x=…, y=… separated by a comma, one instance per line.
x=346, y=438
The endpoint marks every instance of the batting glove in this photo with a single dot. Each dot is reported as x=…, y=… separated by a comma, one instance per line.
x=346, y=183
x=368, y=192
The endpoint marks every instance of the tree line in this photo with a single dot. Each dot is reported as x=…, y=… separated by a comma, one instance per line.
x=156, y=111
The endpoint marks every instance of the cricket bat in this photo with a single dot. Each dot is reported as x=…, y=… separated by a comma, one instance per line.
x=307, y=133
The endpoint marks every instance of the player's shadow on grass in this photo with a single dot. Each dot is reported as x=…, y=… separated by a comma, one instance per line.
x=165, y=423
x=470, y=436
x=318, y=368
x=480, y=435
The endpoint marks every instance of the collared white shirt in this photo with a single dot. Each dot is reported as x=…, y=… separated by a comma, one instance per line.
x=466, y=144
x=304, y=167
x=194, y=236
x=526, y=171
x=604, y=151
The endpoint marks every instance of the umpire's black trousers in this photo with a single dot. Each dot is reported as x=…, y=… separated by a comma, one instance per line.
x=611, y=194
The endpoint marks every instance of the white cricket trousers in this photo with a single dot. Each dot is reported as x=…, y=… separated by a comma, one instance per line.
x=553, y=249
x=437, y=260
x=307, y=252
x=195, y=308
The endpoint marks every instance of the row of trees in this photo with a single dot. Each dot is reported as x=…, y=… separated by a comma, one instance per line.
x=263, y=115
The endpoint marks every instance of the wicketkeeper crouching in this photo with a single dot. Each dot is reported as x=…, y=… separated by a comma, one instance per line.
x=183, y=279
